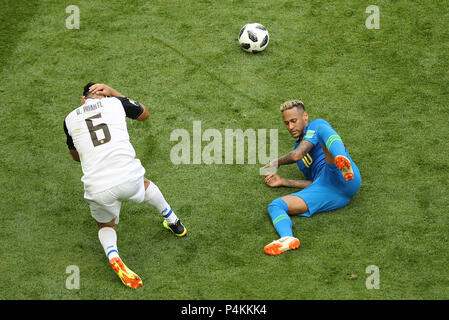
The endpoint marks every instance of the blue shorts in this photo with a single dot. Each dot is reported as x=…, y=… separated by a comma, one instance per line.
x=330, y=191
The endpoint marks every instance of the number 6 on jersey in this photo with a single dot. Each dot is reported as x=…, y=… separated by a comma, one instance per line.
x=93, y=129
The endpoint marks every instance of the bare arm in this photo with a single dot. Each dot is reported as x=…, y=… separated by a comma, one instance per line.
x=297, y=184
x=103, y=89
x=75, y=155
x=275, y=180
x=145, y=114
x=293, y=156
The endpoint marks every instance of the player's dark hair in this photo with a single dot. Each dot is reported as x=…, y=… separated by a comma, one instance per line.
x=86, y=88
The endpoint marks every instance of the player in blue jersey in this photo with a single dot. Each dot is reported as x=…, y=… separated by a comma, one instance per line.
x=331, y=177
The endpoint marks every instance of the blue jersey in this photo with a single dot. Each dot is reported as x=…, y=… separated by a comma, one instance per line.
x=314, y=161
x=329, y=190
x=320, y=133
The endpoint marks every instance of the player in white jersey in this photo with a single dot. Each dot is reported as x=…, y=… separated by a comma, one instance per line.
x=97, y=136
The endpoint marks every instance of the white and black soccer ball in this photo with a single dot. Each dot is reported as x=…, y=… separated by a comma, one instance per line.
x=254, y=37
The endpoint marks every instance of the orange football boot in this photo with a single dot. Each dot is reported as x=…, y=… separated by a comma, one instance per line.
x=279, y=246
x=344, y=165
x=128, y=277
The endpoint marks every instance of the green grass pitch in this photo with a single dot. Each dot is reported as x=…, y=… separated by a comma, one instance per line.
x=384, y=90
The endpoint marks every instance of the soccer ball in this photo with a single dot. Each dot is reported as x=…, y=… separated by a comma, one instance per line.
x=253, y=37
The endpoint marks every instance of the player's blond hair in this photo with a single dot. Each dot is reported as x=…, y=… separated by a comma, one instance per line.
x=292, y=104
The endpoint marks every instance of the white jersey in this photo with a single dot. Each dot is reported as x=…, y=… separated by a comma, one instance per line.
x=98, y=131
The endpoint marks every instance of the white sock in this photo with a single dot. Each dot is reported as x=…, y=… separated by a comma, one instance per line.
x=108, y=239
x=154, y=198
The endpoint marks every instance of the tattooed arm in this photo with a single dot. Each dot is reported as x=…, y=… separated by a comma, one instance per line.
x=298, y=184
x=293, y=156
x=275, y=180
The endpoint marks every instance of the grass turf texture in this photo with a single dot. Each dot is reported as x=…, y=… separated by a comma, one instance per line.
x=385, y=91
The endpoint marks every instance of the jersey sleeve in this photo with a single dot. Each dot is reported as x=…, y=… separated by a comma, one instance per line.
x=133, y=109
x=69, y=140
x=311, y=133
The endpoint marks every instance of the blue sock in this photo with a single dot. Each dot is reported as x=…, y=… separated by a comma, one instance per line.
x=282, y=223
x=332, y=141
